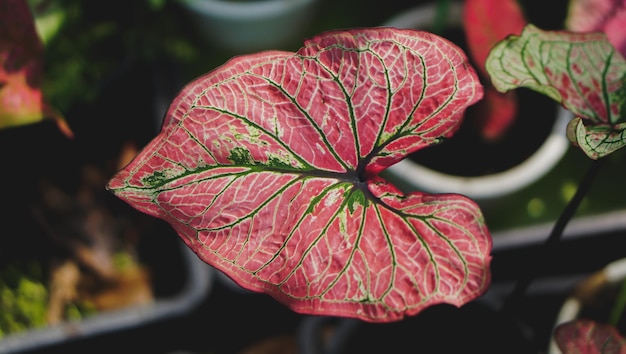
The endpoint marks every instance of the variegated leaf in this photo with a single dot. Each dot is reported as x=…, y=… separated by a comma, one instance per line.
x=582, y=71
x=267, y=167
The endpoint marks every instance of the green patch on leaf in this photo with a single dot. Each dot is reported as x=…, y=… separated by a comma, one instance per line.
x=276, y=162
x=356, y=198
x=155, y=179
x=241, y=156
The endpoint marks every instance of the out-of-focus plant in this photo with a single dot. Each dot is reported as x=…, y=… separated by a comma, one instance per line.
x=55, y=55
x=88, y=45
x=21, y=70
x=607, y=16
x=61, y=54
x=584, y=72
x=589, y=337
x=23, y=298
x=587, y=75
x=485, y=23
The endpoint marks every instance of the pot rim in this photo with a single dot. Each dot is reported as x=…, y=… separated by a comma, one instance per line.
x=244, y=9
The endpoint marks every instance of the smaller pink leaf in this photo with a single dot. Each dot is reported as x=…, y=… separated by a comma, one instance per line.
x=589, y=337
x=582, y=71
x=608, y=16
x=496, y=112
x=486, y=22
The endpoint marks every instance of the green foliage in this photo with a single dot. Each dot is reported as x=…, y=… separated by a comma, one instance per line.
x=88, y=44
x=23, y=298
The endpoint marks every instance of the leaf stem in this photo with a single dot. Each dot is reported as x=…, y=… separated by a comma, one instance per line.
x=618, y=308
x=555, y=235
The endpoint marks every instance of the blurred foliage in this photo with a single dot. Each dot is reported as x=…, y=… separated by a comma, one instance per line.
x=89, y=44
x=24, y=298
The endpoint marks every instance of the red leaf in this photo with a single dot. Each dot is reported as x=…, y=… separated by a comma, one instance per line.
x=589, y=337
x=267, y=168
x=487, y=22
x=21, y=69
x=496, y=112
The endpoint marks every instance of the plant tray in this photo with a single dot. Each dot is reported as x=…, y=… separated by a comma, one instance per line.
x=181, y=284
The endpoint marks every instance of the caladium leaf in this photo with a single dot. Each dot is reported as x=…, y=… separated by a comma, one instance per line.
x=608, y=16
x=589, y=337
x=21, y=70
x=496, y=113
x=486, y=22
x=597, y=140
x=267, y=167
x=582, y=71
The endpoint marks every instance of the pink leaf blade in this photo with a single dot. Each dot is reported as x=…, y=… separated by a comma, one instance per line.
x=434, y=102
x=266, y=169
x=382, y=273
x=252, y=111
x=589, y=337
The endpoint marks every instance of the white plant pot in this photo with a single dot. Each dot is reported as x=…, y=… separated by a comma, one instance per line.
x=249, y=26
x=481, y=188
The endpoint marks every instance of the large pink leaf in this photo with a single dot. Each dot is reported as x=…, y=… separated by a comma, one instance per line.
x=608, y=16
x=267, y=168
x=589, y=337
x=582, y=71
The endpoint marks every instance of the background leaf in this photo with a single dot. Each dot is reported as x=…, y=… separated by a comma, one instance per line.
x=267, y=168
x=589, y=337
x=608, y=16
x=598, y=140
x=581, y=71
x=21, y=66
x=486, y=22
